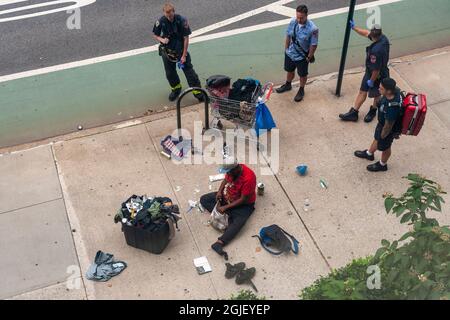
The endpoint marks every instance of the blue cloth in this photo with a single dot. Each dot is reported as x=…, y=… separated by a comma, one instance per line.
x=307, y=36
x=264, y=119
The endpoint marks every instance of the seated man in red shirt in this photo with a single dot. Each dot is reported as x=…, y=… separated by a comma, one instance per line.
x=236, y=198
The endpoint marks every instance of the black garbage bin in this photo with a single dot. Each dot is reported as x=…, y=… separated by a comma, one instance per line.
x=150, y=240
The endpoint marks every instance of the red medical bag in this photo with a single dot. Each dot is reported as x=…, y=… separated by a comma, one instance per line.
x=414, y=112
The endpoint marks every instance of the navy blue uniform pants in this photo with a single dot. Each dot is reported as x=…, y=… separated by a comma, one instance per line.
x=237, y=217
x=172, y=75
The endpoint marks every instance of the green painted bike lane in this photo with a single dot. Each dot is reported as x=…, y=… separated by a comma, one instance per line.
x=46, y=105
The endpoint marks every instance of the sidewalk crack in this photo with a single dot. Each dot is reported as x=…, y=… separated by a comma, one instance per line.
x=31, y=205
x=178, y=200
x=77, y=254
x=298, y=214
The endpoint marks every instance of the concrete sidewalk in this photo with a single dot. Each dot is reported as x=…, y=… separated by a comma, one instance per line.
x=58, y=197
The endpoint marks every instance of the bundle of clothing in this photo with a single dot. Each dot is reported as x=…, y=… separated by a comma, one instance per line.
x=148, y=213
x=237, y=101
x=104, y=267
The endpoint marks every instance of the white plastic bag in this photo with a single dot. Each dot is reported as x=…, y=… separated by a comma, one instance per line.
x=219, y=221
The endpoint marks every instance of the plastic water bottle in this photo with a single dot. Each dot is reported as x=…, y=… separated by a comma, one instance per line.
x=306, y=205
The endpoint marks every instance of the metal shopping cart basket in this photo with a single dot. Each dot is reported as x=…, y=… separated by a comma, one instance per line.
x=218, y=100
x=237, y=104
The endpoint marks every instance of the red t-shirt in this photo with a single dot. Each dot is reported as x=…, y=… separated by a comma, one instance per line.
x=245, y=184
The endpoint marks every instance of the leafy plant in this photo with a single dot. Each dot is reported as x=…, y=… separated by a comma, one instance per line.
x=246, y=295
x=420, y=269
x=341, y=284
x=416, y=266
x=422, y=195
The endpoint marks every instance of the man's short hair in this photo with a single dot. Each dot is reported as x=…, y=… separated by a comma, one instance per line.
x=389, y=84
x=168, y=6
x=302, y=9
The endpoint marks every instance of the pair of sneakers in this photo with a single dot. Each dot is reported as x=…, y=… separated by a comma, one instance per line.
x=288, y=87
x=352, y=115
x=243, y=276
x=375, y=167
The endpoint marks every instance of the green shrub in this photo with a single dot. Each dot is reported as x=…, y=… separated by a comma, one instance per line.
x=342, y=284
x=246, y=295
x=417, y=266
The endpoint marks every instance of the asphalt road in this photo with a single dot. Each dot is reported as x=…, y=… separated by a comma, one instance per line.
x=111, y=26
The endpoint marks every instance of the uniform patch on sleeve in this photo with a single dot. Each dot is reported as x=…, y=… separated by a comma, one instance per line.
x=373, y=58
x=157, y=23
x=186, y=23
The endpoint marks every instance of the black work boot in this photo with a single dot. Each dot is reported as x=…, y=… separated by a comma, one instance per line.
x=364, y=155
x=370, y=115
x=199, y=97
x=300, y=94
x=375, y=167
x=174, y=94
x=352, y=115
x=285, y=87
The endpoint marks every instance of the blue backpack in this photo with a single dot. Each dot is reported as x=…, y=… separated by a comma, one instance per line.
x=276, y=238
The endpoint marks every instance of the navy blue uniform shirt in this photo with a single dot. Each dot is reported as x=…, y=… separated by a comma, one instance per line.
x=377, y=56
x=175, y=31
x=389, y=110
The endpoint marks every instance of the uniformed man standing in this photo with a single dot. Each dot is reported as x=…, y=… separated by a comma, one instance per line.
x=302, y=37
x=377, y=58
x=172, y=31
x=389, y=126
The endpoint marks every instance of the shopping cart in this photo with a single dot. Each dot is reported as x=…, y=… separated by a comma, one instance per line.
x=217, y=102
x=242, y=114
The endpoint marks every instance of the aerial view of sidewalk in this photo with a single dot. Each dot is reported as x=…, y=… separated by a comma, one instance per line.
x=58, y=197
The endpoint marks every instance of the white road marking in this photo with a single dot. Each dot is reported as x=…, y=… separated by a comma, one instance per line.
x=284, y=11
x=70, y=5
x=237, y=18
x=197, y=37
x=286, y=21
x=5, y=2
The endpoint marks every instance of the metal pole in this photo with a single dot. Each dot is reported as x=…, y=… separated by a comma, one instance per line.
x=345, y=47
x=206, y=100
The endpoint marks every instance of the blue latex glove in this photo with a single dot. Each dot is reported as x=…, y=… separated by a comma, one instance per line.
x=352, y=24
x=180, y=65
x=370, y=83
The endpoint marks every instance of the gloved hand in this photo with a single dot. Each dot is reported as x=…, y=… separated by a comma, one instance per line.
x=370, y=83
x=352, y=24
